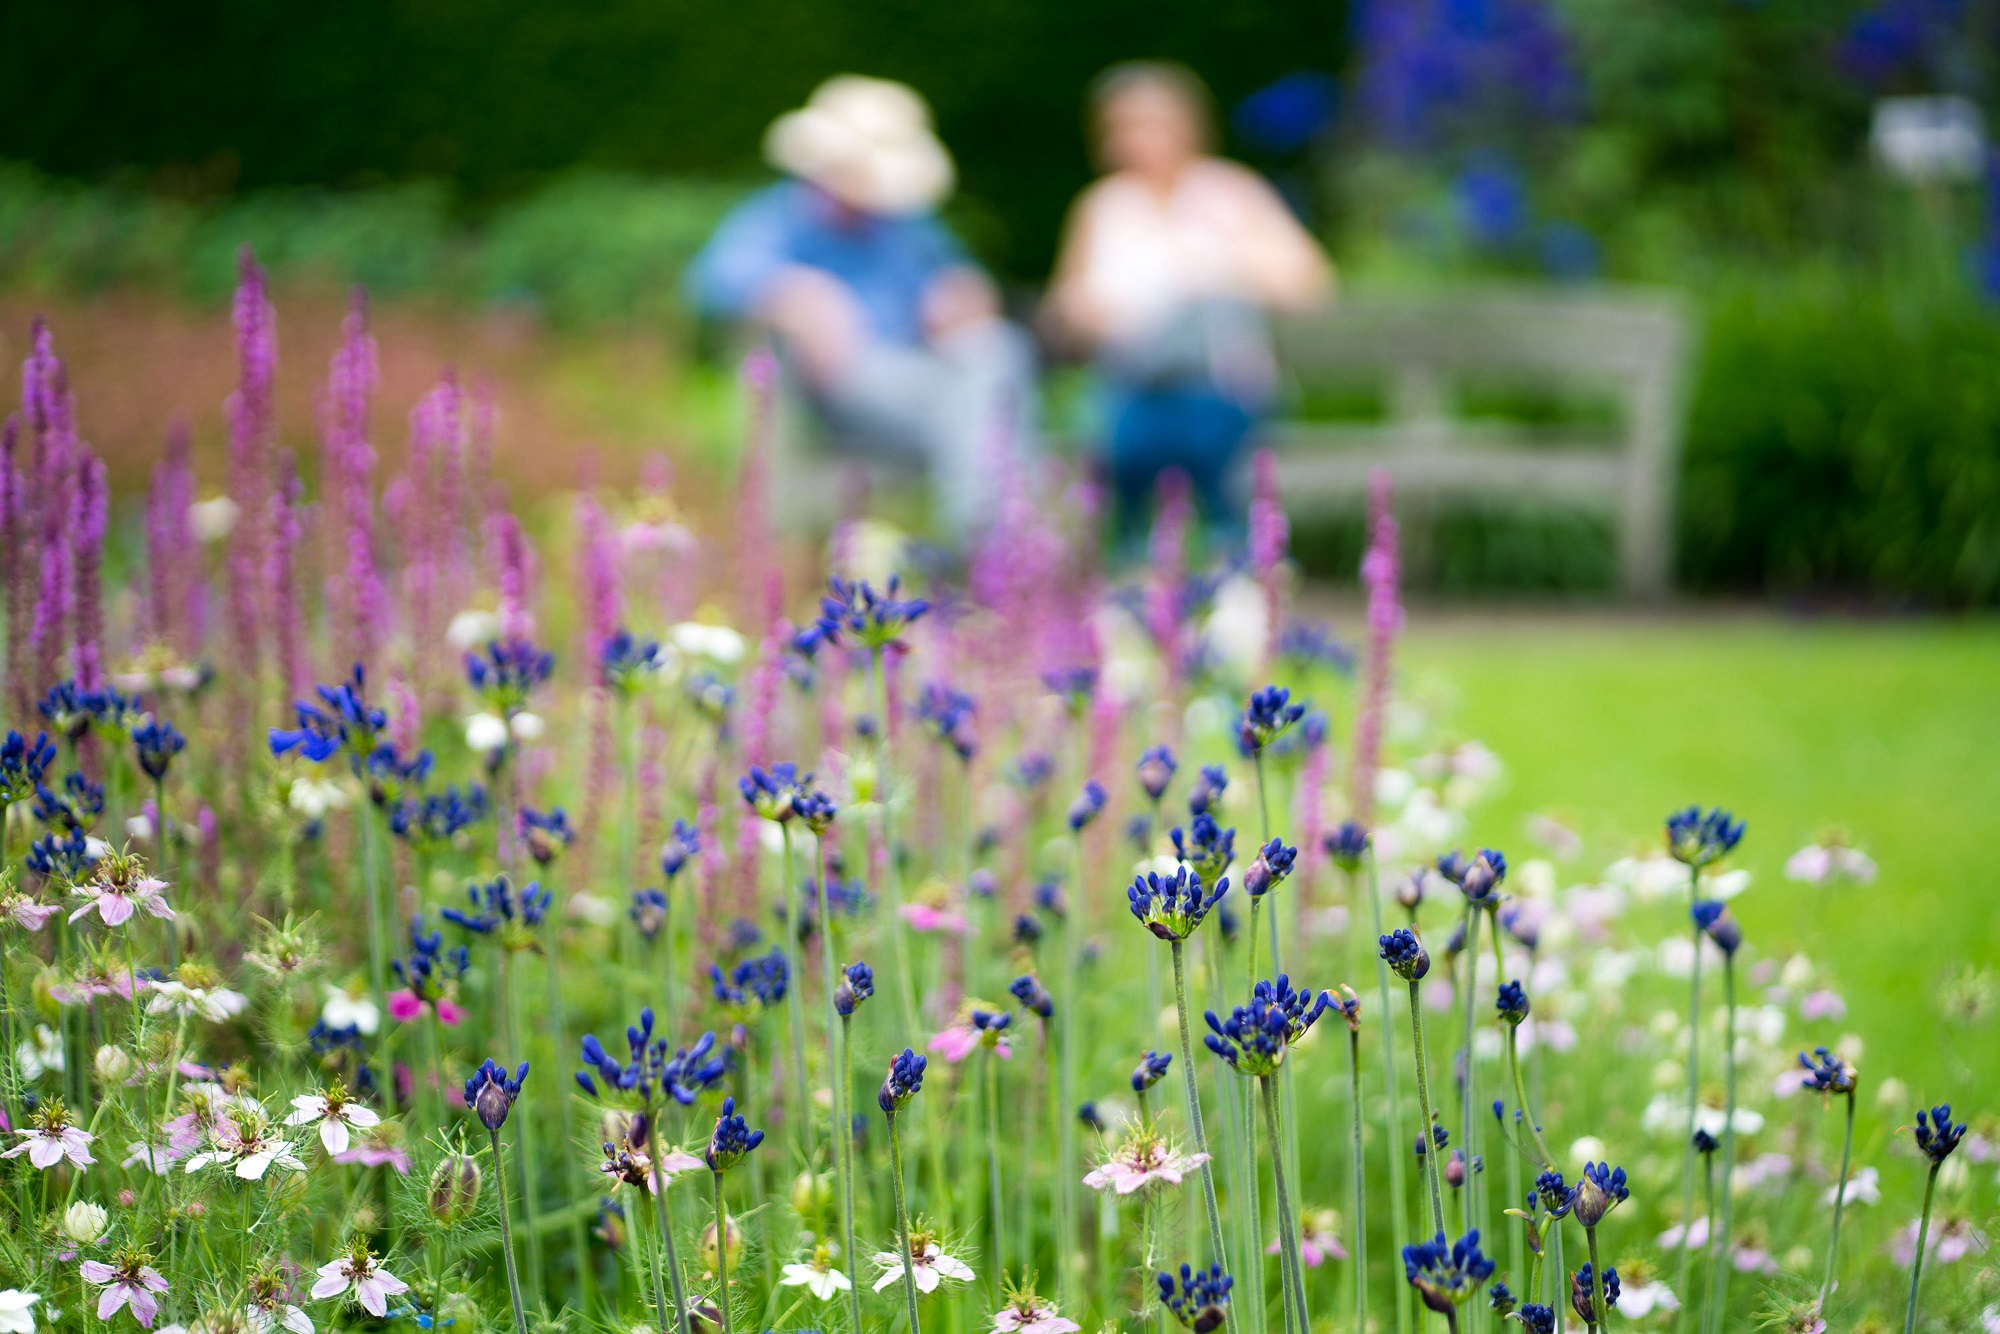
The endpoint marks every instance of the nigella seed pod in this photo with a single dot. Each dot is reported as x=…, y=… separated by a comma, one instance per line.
x=1410, y=890
x=454, y=1189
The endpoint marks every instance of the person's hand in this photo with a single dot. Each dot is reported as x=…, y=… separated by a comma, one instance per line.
x=958, y=298
x=817, y=316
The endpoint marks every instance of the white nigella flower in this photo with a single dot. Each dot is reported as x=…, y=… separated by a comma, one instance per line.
x=1144, y=1159
x=346, y=1009
x=39, y=1055
x=191, y=999
x=527, y=726
x=485, y=733
x=282, y=1316
x=333, y=1112
x=372, y=1285
x=717, y=643
x=314, y=797
x=1636, y=1301
x=471, y=629
x=242, y=1143
x=50, y=1138
x=932, y=1268
x=84, y=1222
x=818, y=1277
x=130, y=1281
x=213, y=520
x=1864, y=1187
x=17, y=1311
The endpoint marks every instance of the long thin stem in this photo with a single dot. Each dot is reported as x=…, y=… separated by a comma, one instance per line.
x=905, y=996
x=1398, y=1185
x=722, y=1258
x=843, y=1150
x=1597, y=1310
x=673, y=1263
x=1720, y=1266
x=1923, y=1239
x=1465, y=1122
x=996, y=1217
x=1693, y=1100
x=1287, y=1219
x=507, y=1237
x=902, y=1222
x=566, y=1121
x=530, y=1187
x=1194, y=1106
x=1424, y=1136
x=1839, y=1201
x=1360, y=1187
x=371, y=886
x=795, y=1113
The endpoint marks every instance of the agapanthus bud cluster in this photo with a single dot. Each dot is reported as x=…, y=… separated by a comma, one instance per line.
x=1173, y=907
x=947, y=715
x=853, y=612
x=22, y=764
x=1581, y=1299
x=155, y=744
x=1937, y=1134
x=491, y=1092
x=683, y=843
x=1200, y=1301
x=1346, y=845
x=1697, y=838
x=1088, y=805
x=1513, y=1002
x=507, y=671
x=1156, y=769
x=1207, y=848
x=1272, y=867
x=651, y=1072
x=1209, y=785
x=1255, y=1037
x=1405, y=954
x=1477, y=877
x=903, y=1082
x=1152, y=1068
x=627, y=661
x=857, y=984
x=1268, y=716
x=732, y=1139
x=546, y=834
x=342, y=721
x=1712, y=916
x=1601, y=1189
x=1828, y=1073
x=1034, y=997
x=1446, y=1274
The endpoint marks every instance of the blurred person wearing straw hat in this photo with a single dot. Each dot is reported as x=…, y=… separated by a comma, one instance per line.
x=895, y=336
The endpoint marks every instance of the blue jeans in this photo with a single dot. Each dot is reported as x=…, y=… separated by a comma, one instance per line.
x=1192, y=427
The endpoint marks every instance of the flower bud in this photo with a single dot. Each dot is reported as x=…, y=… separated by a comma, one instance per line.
x=84, y=1222
x=708, y=1255
x=812, y=1195
x=126, y=1199
x=454, y=1189
x=112, y=1065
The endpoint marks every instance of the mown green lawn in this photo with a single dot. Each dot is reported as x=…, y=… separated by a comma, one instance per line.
x=1888, y=729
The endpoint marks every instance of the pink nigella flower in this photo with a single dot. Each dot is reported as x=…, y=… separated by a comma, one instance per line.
x=406, y=1006
x=956, y=1043
x=129, y=1282
x=380, y=1146
x=1026, y=1313
x=933, y=917
x=1830, y=863
x=1949, y=1242
x=51, y=1138
x=333, y=1112
x=1692, y=1234
x=25, y=912
x=1145, y=1159
x=1822, y=1004
x=116, y=901
x=372, y=1285
x=1317, y=1242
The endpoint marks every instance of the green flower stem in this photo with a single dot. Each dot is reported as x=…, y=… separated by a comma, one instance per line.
x=507, y=1236
x=673, y=1264
x=1360, y=1266
x=796, y=1114
x=1063, y=1197
x=905, y=997
x=1250, y=1206
x=1424, y=1108
x=1288, y=1222
x=1839, y=1200
x=1465, y=1124
x=378, y=969
x=1923, y=1239
x=1720, y=1266
x=1596, y=1279
x=1194, y=1106
x=902, y=1223
x=530, y=1189
x=1544, y=1158
x=996, y=1215
x=722, y=1258
x=566, y=1120
x=1398, y=1185
x=628, y=782
x=1559, y=1283
x=1694, y=1100
x=843, y=1144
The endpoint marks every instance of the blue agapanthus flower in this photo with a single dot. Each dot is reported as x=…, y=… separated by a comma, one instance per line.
x=1601, y=1189
x=77, y=806
x=1446, y=1274
x=754, y=984
x=1698, y=838
x=66, y=858
x=155, y=744
x=429, y=969
x=1200, y=1301
x=1254, y=1038
x=1581, y=1299
x=1712, y=916
x=507, y=671
x=435, y=819
x=391, y=775
x=1034, y=997
x=1346, y=845
x=731, y=1141
x=652, y=1069
x=947, y=716
x=22, y=764
x=1269, y=714
x=1088, y=805
x=495, y=907
x=684, y=842
x=547, y=834
x=1937, y=1134
x=903, y=1082
x=1208, y=788
x=1074, y=684
x=1207, y=848
x=857, y=984
x=854, y=612
x=626, y=661
x=1828, y=1073
x=1173, y=907
x=491, y=1093
x=1272, y=868
x=1152, y=1068
x=1405, y=954
x=341, y=721
x=1513, y=1002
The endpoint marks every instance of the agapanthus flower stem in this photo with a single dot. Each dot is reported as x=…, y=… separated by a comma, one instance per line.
x=507, y=1236
x=1424, y=1109
x=378, y=974
x=722, y=1302
x=530, y=1187
x=1839, y=1201
x=1467, y=1192
x=902, y=1222
x=1398, y=1185
x=566, y=1119
x=1923, y=1240
x=1693, y=1101
x=843, y=1139
x=673, y=1264
x=796, y=1112
x=1596, y=1279
x=1360, y=1267
x=1721, y=1265
x=1194, y=1105
x=996, y=1219
x=905, y=995
x=1288, y=1223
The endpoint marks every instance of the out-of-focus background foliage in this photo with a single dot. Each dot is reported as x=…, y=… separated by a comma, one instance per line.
x=527, y=180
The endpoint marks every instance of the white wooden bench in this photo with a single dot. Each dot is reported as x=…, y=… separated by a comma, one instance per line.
x=1628, y=346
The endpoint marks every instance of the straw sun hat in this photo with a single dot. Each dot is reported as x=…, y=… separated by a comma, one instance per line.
x=867, y=142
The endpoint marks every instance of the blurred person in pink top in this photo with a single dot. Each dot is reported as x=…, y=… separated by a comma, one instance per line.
x=1170, y=263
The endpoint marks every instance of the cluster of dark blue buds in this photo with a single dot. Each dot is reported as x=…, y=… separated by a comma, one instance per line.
x=1034, y=997
x=626, y=661
x=1446, y=1274
x=1552, y=1193
x=856, y=985
x=1313, y=643
x=1705, y=1142
x=1477, y=877
x=754, y=985
x=1501, y=1298
x=991, y=1025
x=1200, y=1300
x=1583, y=1302
x=771, y=792
x=434, y=820
x=1601, y=1189
x=1937, y=1135
x=1272, y=866
x=74, y=710
x=1268, y=716
x=546, y=834
x=1254, y=1038
x=1049, y=899
x=1513, y=1002
x=903, y=1082
x=1523, y=921
x=1438, y=1139
x=1346, y=845
x=155, y=744
x=1206, y=847
x=732, y=1139
x=22, y=764
x=1209, y=785
x=1152, y=1068
x=1172, y=907
x=390, y=774
x=430, y=968
x=1537, y=1319
x=1699, y=838
x=507, y=671
x=497, y=908
x=1712, y=916
x=648, y=913
x=491, y=1093
x=651, y=1071
x=77, y=806
x=63, y=858
x=1033, y=770
x=853, y=612
x=711, y=696
x=341, y=721
x=1089, y=804
x=1827, y=1073
x=1405, y=954
x=683, y=843
x=1027, y=930
x=1156, y=769
x=946, y=714
x=1074, y=685
x=845, y=897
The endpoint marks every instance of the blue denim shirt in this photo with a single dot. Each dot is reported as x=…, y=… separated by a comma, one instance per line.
x=886, y=261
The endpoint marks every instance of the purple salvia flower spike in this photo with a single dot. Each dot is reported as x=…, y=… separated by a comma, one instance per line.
x=1381, y=576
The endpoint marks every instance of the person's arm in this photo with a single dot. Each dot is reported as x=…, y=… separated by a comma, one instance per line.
x=1070, y=315
x=733, y=276
x=1280, y=259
